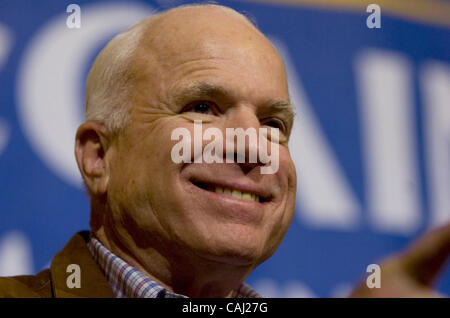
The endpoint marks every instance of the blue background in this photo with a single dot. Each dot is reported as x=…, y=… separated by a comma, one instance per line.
x=41, y=210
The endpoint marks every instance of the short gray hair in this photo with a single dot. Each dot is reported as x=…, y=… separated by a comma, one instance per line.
x=109, y=82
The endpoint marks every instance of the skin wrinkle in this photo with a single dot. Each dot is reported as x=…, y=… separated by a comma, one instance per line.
x=191, y=241
x=198, y=91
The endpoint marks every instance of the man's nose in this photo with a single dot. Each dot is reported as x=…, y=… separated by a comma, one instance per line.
x=243, y=119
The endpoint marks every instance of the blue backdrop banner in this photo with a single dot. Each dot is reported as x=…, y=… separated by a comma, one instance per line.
x=371, y=139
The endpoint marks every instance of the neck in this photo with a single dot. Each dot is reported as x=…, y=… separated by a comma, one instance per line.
x=175, y=269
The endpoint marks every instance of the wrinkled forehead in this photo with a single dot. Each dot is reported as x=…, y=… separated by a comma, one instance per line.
x=181, y=33
x=179, y=49
x=192, y=23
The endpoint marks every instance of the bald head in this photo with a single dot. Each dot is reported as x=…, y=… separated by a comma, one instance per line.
x=192, y=64
x=149, y=43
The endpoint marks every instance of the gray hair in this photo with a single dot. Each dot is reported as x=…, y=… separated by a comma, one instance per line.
x=108, y=85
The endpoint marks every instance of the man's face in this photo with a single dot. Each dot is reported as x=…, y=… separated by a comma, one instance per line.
x=228, y=77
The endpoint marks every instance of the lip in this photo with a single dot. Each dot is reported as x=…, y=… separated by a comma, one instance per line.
x=227, y=207
x=228, y=198
x=264, y=195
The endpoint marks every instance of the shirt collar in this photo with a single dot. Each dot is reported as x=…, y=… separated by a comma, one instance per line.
x=127, y=282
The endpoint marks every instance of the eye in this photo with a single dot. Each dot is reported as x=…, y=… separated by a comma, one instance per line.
x=200, y=107
x=275, y=123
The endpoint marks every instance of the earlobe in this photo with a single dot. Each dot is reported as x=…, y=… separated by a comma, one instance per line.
x=91, y=146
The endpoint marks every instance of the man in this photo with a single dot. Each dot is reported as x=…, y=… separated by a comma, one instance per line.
x=161, y=228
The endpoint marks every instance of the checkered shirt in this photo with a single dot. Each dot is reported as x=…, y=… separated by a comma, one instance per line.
x=127, y=282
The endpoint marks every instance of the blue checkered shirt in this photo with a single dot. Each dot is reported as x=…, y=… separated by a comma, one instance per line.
x=127, y=282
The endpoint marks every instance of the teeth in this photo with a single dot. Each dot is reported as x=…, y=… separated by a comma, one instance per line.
x=237, y=194
x=247, y=196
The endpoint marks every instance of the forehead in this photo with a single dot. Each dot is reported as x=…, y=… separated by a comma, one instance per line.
x=197, y=21
x=178, y=33
x=235, y=62
x=230, y=53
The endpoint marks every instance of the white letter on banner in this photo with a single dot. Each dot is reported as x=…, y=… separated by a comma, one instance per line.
x=5, y=48
x=389, y=141
x=435, y=84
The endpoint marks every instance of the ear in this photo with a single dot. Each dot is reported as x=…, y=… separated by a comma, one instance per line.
x=91, y=147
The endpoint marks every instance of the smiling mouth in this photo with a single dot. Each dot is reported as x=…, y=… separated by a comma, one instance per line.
x=239, y=194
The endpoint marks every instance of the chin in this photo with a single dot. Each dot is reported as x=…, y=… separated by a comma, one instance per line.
x=232, y=257
x=241, y=250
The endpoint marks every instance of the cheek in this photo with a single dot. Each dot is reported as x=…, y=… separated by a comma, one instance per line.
x=149, y=151
x=285, y=205
x=291, y=184
x=286, y=175
x=132, y=170
x=144, y=171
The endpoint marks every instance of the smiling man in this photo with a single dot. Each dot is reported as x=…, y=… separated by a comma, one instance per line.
x=161, y=228
x=168, y=220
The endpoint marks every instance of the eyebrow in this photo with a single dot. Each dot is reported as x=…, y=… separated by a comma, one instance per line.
x=281, y=105
x=202, y=90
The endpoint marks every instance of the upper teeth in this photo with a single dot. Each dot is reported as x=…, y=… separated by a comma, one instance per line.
x=237, y=194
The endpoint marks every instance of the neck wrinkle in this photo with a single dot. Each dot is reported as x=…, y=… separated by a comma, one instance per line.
x=183, y=273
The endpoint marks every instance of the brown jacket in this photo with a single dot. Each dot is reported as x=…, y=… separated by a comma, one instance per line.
x=51, y=283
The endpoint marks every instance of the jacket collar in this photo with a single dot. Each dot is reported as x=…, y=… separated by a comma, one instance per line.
x=93, y=281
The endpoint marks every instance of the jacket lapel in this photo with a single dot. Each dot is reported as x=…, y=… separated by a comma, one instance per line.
x=93, y=282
